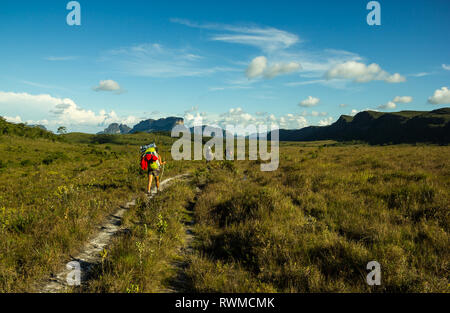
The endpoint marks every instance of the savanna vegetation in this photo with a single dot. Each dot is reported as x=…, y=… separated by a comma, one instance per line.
x=311, y=226
x=56, y=190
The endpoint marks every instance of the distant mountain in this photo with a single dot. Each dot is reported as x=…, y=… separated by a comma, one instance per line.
x=378, y=128
x=162, y=124
x=196, y=130
x=39, y=126
x=116, y=128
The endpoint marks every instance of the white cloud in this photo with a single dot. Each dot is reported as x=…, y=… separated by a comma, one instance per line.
x=440, y=96
x=267, y=39
x=309, y=102
x=326, y=122
x=16, y=119
x=388, y=106
x=156, y=60
x=421, y=74
x=71, y=114
x=446, y=67
x=393, y=104
x=61, y=58
x=362, y=73
x=343, y=105
x=258, y=67
x=354, y=112
x=238, y=117
x=314, y=113
x=56, y=111
x=403, y=99
x=279, y=69
x=108, y=85
x=395, y=78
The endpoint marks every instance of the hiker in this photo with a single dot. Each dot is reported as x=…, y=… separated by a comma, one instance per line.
x=151, y=160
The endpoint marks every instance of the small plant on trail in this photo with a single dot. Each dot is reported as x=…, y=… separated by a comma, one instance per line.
x=103, y=255
x=133, y=288
x=140, y=248
x=161, y=227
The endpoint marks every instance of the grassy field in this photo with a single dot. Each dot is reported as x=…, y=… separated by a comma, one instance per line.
x=54, y=192
x=310, y=226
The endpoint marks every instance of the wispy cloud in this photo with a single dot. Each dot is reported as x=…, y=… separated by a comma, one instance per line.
x=267, y=39
x=156, y=60
x=43, y=86
x=61, y=58
x=421, y=74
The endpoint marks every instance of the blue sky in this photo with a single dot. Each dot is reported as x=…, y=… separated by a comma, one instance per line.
x=289, y=63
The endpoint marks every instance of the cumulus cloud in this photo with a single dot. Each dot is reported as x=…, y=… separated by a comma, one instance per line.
x=238, y=117
x=393, y=104
x=440, y=96
x=108, y=85
x=53, y=111
x=325, y=122
x=71, y=114
x=362, y=73
x=403, y=99
x=388, y=106
x=446, y=67
x=395, y=78
x=16, y=119
x=309, y=102
x=354, y=112
x=259, y=67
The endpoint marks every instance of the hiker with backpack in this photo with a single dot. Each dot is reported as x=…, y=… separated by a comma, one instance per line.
x=151, y=161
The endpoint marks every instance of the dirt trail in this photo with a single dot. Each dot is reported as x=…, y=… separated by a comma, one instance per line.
x=90, y=254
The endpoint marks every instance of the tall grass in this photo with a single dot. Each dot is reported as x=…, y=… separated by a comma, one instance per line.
x=313, y=225
x=54, y=195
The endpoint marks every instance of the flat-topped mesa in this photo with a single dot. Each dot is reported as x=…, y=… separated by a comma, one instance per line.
x=162, y=124
x=380, y=128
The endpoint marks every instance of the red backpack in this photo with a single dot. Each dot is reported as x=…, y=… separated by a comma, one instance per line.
x=146, y=159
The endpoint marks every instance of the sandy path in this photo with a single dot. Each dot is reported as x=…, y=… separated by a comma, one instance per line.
x=90, y=254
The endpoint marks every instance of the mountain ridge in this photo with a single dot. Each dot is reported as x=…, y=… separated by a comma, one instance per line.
x=380, y=128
